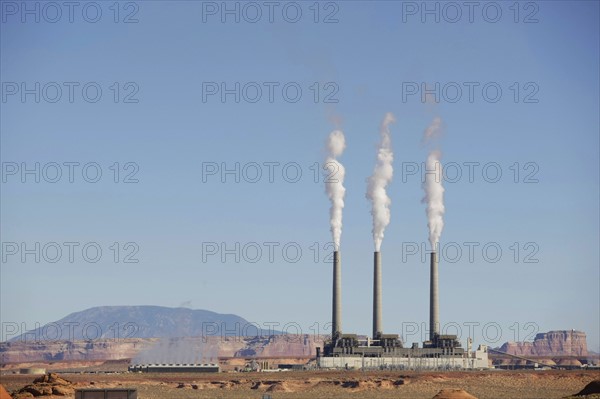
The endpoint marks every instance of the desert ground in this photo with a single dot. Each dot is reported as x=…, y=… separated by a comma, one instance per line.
x=545, y=384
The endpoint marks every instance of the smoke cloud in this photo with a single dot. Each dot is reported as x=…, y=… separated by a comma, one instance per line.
x=180, y=350
x=433, y=131
x=377, y=183
x=432, y=185
x=334, y=173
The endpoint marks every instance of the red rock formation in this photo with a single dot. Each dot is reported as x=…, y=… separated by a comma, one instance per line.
x=3, y=393
x=46, y=385
x=550, y=344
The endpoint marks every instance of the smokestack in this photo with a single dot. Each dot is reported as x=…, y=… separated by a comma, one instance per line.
x=377, y=329
x=336, y=323
x=434, y=310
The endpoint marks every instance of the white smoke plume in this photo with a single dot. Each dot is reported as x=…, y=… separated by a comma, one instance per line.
x=381, y=177
x=334, y=173
x=434, y=191
x=433, y=131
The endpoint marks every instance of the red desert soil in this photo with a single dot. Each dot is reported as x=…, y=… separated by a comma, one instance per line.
x=453, y=394
x=551, y=384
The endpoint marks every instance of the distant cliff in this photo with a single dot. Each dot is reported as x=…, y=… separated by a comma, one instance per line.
x=550, y=344
x=55, y=351
x=161, y=350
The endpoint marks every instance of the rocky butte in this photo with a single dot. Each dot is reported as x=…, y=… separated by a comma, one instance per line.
x=550, y=344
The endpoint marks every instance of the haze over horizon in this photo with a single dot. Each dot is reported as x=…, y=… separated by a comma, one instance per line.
x=214, y=199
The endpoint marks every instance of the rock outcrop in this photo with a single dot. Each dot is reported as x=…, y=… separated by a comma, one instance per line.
x=590, y=389
x=3, y=393
x=46, y=385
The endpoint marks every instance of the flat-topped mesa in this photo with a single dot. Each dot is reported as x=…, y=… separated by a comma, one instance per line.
x=552, y=343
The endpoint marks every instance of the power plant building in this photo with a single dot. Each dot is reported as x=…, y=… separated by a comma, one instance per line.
x=387, y=350
x=175, y=368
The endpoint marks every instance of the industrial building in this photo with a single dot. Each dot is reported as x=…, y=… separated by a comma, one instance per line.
x=109, y=393
x=175, y=368
x=387, y=350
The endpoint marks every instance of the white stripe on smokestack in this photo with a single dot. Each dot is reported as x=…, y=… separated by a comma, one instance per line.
x=434, y=310
x=336, y=322
x=377, y=328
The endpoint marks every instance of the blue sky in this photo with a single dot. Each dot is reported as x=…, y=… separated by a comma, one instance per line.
x=372, y=52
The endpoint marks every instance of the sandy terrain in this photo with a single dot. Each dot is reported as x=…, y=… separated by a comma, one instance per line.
x=334, y=384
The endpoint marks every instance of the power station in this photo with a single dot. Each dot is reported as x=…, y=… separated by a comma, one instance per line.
x=386, y=350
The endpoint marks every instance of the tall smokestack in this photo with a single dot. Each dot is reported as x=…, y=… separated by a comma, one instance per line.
x=434, y=310
x=336, y=322
x=434, y=198
x=336, y=143
x=377, y=329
